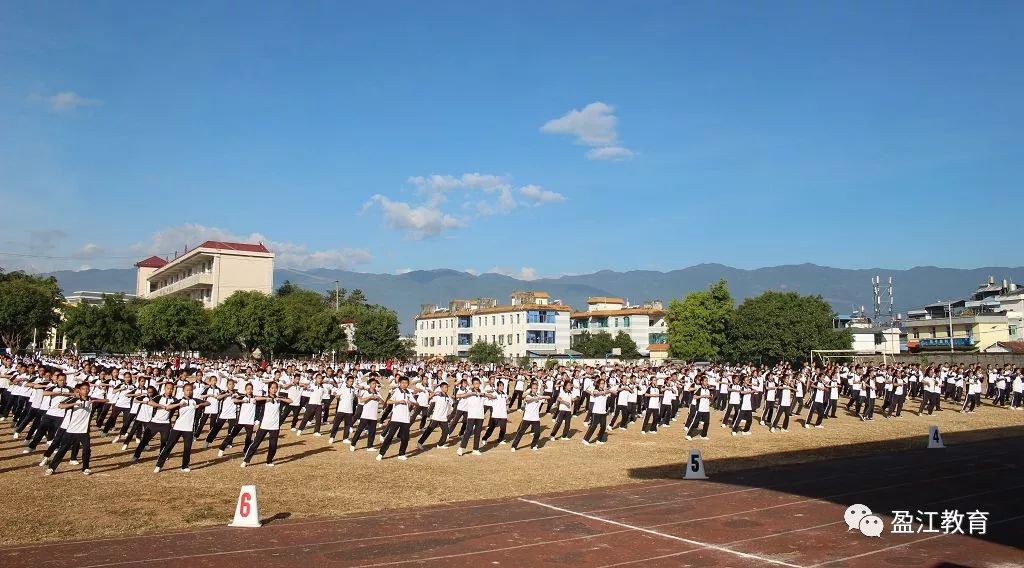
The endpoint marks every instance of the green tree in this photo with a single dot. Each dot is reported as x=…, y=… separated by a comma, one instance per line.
x=698, y=324
x=111, y=327
x=376, y=335
x=286, y=288
x=309, y=325
x=628, y=347
x=170, y=323
x=251, y=320
x=594, y=345
x=28, y=306
x=483, y=352
x=783, y=326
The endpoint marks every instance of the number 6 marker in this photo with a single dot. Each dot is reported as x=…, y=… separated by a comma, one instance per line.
x=247, y=512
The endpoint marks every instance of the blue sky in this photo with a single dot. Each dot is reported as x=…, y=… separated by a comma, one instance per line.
x=564, y=137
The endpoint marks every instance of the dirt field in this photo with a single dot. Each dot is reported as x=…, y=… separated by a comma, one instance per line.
x=316, y=480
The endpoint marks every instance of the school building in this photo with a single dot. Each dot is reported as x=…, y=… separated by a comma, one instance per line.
x=530, y=325
x=645, y=323
x=209, y=273
x=991, y=315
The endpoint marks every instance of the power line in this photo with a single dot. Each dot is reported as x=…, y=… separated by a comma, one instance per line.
x=80, y=258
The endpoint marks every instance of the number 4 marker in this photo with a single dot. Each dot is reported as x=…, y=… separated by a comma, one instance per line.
x=934, y=438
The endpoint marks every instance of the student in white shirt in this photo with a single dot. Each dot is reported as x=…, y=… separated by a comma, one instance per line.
x=402, y=400
x=438, y=417
x=314, y=409
x=652, y=400
x=532, y=401
x=499, y=414
x=599, y=413
x=270, y=426
x=785, y=396
x=565, y=401
x=246, y=420
x=142, y=416
x=183, y=428
x=346, y=395
x=79, y=410
x=746, y=409
x=53, y=415
x=370, y=399
x=474, y=398
x=227, y=414
x=160, y=423
x=703, y=396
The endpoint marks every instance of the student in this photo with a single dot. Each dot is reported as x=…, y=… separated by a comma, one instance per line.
x=599, y=413
x=652, y=397
x=160, y=423
x=785, y=405
x=79, y=409
x=702, y=395
x=438, y=418
x=346, y=395
x=142, y=416
x=246, y=420
x=53, y=414
x=314, y=409
x=211, y=394
x=869, y=390
x=370, y=399
x=771, y=388
x=270, y=426
x=227, y=413
x=733, y=410
x=565, y=401
x=818, y=405
x=517, y=393
x=746, y=410
x=401, y=400
x=460, y=407
x=499, y=414
x=532, y=402
x=474, y=398
x=183, y=428
x=621, y=406
x=122, y=397
x=292, y=409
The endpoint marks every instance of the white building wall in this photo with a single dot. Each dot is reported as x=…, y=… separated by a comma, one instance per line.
x=508, y=329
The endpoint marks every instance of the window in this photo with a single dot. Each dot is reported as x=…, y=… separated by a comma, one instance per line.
x=517, y=339
x=1013, y=330
x=616, y=322
x=510, y=339
x=517, y=318
x=502, y=320
x=431, y=324
x=537, y=336
x=494, y=320
x=431, y=341
x=494, y=339
x=501, y=339
x=917, y=333
x=625, y=321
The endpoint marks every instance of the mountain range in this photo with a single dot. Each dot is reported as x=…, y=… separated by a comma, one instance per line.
x=845, y=289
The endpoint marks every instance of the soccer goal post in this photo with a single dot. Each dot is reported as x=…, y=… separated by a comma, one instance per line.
x=827, y=355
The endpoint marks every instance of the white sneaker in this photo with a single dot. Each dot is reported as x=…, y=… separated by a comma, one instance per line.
x=185, y=470
x=535, y=448
x=402, y=458
x=785, y=430
x=643, y=432
x=74, y=462
x=371, y=449
x=271, y=464
x=42, y=463
x=772, y=430
x=124, y=448
x=317, y=434
x=244, y=465
x=688, y=437
x=379, y=457
x=513, y=449
x=220, y=453
x=746, y=433
x=156, y=469
x=820, y=426
x=459, y=452
x=586, y=443
x=734, y=432
x=48, y=472
x=476, y=452
x=15, y=435
x=351, y=448
x=26, y=451
x=330, y=440
x=298, y=432
x=703, y=437
x=347, y=441
x=502, y=443
x=599, y=443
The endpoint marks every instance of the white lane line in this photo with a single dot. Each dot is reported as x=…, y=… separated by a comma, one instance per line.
x=668, y=536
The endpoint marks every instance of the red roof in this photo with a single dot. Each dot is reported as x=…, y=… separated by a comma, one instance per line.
x=151, y=262
x=234, y=246
x=1012, y=346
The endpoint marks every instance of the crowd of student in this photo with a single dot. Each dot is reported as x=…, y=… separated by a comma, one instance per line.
x=156, y=405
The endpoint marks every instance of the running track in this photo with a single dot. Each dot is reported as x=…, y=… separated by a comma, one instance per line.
x=785, y=516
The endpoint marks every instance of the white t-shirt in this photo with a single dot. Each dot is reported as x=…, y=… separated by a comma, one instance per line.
x=271, y=415
x=400, y=412
x=474, y=405
x=531, y=412
x=186, y=420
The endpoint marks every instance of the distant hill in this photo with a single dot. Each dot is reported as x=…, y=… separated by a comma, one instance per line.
x=843, y=288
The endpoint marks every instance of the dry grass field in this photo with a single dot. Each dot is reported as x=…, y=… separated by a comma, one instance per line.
x=316, y=480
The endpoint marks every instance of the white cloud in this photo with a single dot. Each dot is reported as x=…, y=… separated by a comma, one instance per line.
x=89, y=250
x=479, y=195
x=524, y=273
x=594, y=125
x=538, y=195
x=65, y=101
x=418, y=222
x=287, y=254
x=472, y=271
x=610, y=153
x=402, y=271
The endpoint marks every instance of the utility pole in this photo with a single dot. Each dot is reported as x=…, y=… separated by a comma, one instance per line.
x=949, y=312
x=337, y=295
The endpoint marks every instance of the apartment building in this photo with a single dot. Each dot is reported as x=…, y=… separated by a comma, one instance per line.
x=210, y=272
x=645, y=323
x=530, y=325
x=976, y=323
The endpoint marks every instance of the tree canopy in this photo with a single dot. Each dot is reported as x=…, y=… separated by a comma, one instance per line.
x=594, y=345
x=251, y=320
x=29, y=306
x=698, y=325
x=171, y=323
x=110, y=327
x=783, y=326
x=483, y=352
x=377, y=335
